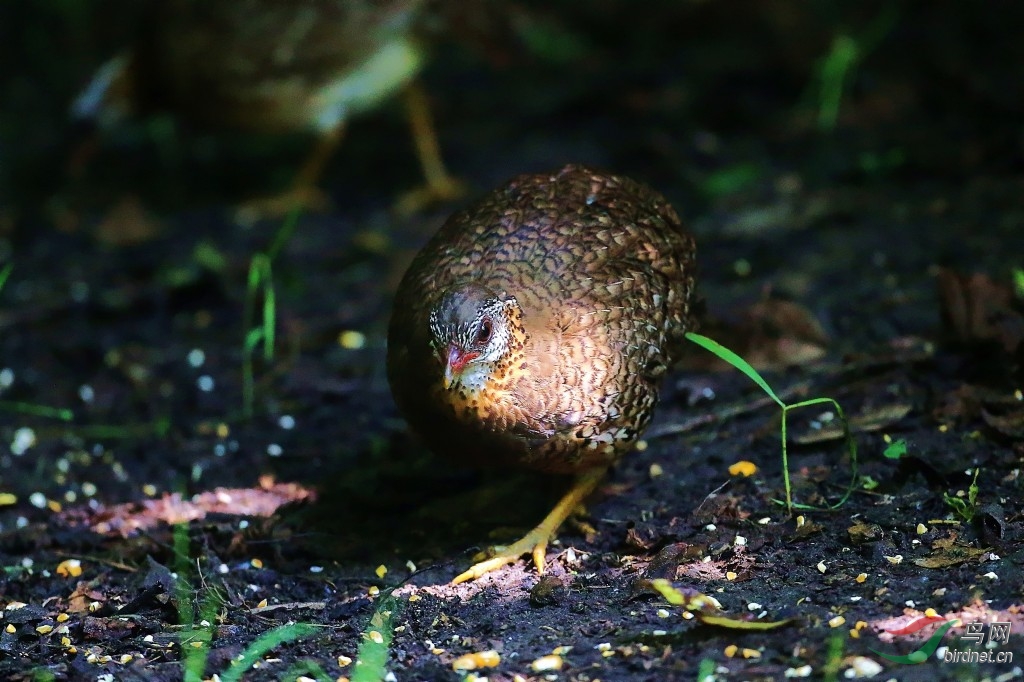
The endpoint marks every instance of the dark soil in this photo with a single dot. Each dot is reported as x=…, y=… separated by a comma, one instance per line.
x=841, y=261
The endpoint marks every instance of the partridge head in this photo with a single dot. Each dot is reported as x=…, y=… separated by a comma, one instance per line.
x=533, y=329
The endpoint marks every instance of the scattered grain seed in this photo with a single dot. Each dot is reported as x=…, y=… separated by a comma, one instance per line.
x=765, y=520
x=561, y=650
x=256, y=563
x=546, y=663
x=659, y=633
x=65, y=642
x=373, y=591
x=376, y=637
x=862, y=666
x=800, y=521
x=854, y=633
x=730, y=575
x=640, y=446
x=62, y=617
x=930, y=612
x=730, y=650
x=895, y=559
x=750, y=653
x=663, y=613
x=861, y=577
x=743, y=468
x=410, y=566
x=10, y=629
x=991, y=575
x=754, y=606
x=477, y=660
x=921, y=529
x=69, y=568
x=44, y=629
x=604, y=646
x=351, y=340
x=739, y=541
x=655, y=470
x=414, y=597
x=688, y=616
x=821, y=567
x=263, y=604
x=802, y=671
x=836, y=622
x=125, y=658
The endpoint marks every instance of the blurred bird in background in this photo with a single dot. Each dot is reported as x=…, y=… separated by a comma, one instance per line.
x=278, y=67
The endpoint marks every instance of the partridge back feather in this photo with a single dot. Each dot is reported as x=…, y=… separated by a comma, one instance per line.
x=603, y=272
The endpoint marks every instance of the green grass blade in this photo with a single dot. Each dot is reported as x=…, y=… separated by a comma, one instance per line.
x=264, y=643
x=5, y=273
x=736, y=361
x=373, y=652
x=61, y=413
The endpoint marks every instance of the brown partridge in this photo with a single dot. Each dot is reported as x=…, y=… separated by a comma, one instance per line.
x=534, y=327
x=273, y=66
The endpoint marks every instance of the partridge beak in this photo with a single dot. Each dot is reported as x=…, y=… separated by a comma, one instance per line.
x=456, y=362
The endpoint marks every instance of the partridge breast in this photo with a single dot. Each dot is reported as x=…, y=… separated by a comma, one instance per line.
x=534, y=327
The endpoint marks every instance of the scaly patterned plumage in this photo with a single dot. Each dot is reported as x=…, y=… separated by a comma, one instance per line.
x=602, y=272
x=534, y=327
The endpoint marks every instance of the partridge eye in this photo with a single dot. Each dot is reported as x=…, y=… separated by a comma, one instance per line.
x=483, y=334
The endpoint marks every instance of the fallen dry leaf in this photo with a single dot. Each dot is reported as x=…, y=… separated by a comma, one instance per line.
x=977, y=309
x=948, y=552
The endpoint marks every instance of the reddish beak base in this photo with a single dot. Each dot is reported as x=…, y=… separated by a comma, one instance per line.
x=456, y=362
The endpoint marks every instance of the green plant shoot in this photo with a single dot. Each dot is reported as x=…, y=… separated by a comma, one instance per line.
x=745, y=367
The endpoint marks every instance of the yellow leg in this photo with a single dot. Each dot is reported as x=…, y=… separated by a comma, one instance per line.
x=536, y=541
x=439, y=185
x=303, y=192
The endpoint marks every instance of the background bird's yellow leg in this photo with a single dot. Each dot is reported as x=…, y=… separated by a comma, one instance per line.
x=536, y=541
x=303, y=192
x=439, y=185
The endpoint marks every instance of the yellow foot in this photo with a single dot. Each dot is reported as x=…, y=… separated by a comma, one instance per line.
x=436, y=192
x=305, y=198
x=536, y=541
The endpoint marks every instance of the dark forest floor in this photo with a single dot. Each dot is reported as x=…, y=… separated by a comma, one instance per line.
x=872, y=263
